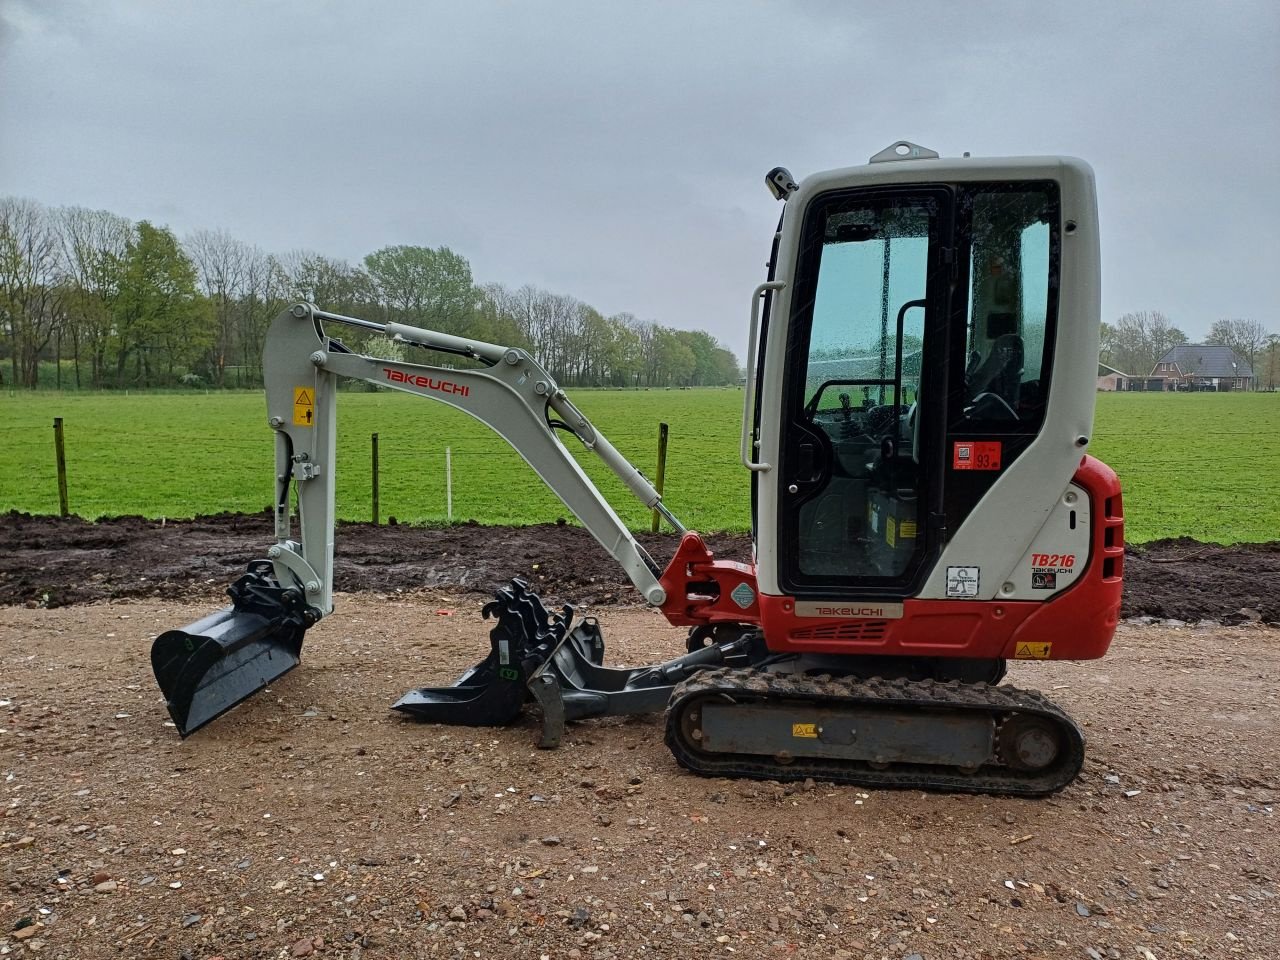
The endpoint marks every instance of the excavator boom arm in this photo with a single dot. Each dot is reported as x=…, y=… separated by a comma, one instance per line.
x=513, y=395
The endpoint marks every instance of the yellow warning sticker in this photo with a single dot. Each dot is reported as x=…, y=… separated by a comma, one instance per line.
x=1033, y=651
x=891, y=532
x=806, y=731
x=304, y=406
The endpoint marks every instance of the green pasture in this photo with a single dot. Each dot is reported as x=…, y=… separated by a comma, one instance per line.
x=1199, y=465
x=179, y=455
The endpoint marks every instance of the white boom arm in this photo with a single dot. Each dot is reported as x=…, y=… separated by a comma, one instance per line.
x=514, y=397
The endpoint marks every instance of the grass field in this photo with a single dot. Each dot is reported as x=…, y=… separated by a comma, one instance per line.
x=1204, y=465
x=181, y=455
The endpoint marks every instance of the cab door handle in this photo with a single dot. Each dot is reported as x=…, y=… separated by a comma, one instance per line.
x=806, y=461
x=748, y=448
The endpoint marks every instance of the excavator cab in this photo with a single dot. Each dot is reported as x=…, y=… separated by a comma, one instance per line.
x=918, y=301
x=926, y=344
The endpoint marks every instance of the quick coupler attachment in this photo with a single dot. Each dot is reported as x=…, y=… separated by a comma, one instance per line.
x=534, y=655
x=207, y=667
x=493, y=692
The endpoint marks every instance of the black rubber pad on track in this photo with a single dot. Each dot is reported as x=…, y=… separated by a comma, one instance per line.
x=745, y=686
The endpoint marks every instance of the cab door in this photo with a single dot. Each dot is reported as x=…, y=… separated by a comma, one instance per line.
x=864, y=393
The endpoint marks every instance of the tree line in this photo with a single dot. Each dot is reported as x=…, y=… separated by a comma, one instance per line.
x=1137, y=341
x=111, y=303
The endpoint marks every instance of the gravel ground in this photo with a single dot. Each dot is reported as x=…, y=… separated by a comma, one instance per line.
x=312, y=821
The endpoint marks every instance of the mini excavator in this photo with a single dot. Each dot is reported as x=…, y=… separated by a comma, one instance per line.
x=918, y=405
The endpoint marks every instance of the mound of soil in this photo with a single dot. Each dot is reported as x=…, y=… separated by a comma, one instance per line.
x=52, y=562
x=1184, y=579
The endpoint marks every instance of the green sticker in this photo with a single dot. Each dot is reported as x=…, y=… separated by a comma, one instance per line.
x=509, y=673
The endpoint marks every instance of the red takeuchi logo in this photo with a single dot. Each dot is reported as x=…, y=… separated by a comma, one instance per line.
x=427, y=383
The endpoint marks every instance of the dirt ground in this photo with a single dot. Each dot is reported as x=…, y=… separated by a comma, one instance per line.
x=50, y=562
x=312, y=821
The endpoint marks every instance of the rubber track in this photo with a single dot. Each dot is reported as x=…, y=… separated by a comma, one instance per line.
x=755, y=686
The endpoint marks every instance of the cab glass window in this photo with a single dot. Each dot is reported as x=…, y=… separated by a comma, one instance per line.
x=1011, y=234
x=873, y=262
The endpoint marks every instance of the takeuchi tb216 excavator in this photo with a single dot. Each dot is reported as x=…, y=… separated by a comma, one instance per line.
x=917, y=411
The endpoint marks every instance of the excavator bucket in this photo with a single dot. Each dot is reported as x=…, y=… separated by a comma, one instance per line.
x=207, y=667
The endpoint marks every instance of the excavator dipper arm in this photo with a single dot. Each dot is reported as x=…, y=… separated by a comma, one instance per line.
x=513, y=395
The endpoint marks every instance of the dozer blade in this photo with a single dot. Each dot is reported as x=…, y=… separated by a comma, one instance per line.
x=207, y=667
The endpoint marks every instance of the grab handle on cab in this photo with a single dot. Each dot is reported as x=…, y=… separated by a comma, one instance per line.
x=747, y=449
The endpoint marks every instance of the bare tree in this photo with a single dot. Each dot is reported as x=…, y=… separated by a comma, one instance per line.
x=267, y=290
x=1271, y=361
x=94, y=244
x=221, y=264
x=31, y=284
x=549, y=322
x=1107, y=343
x=1141, y=338
x=330, y=283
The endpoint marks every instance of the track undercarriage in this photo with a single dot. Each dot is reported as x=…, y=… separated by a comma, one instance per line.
x=878, y=732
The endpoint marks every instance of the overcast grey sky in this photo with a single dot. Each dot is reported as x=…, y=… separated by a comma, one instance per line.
x=616, y=151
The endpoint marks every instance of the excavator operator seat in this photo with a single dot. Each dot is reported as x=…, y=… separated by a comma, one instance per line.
x=1000, y=372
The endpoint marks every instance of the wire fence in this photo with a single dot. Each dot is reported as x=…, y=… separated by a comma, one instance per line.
x=1197, y=470
x=118, y=469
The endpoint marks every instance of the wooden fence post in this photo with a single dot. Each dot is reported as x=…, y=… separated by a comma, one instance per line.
x=60, y=448
x=375, y=480
x=448, y=484
x=662, y=470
